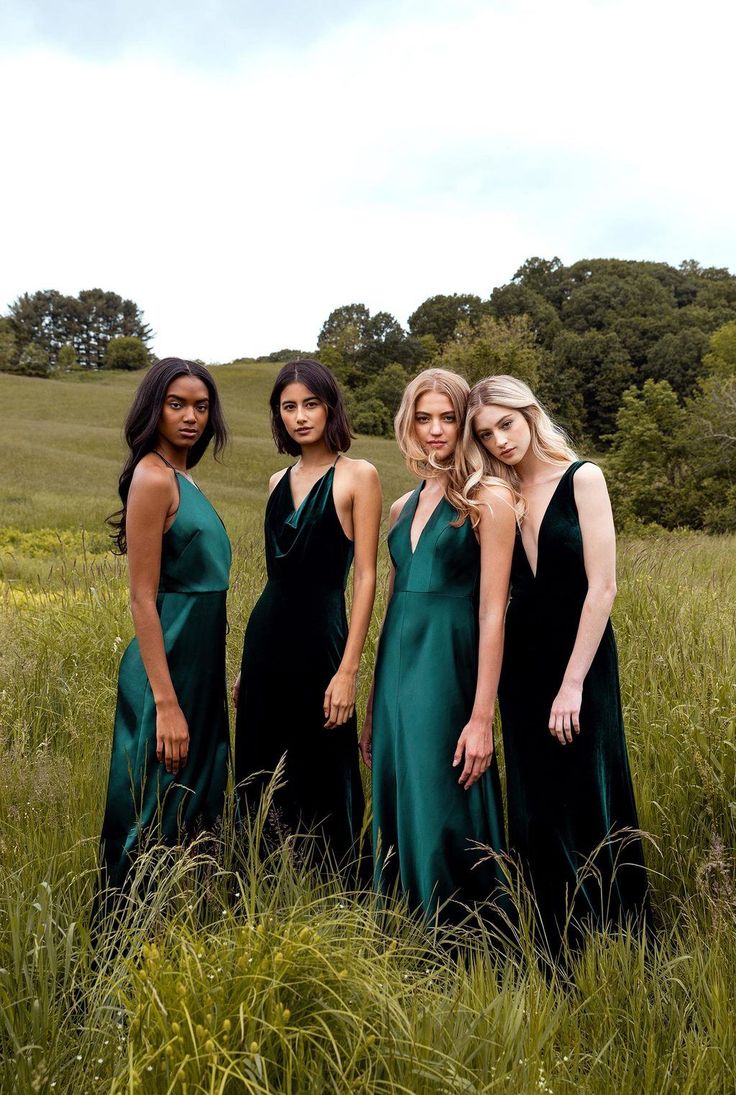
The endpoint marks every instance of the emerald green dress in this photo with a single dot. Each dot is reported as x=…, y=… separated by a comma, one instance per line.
x=294, y=643
x=565, y=801
x=145, y=803
x=431, y=837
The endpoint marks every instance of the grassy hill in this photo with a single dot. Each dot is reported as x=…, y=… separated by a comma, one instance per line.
x=240, y=976
x=61, y=449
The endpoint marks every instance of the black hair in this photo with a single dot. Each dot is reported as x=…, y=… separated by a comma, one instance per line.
x=141, y=427
x=319, y=380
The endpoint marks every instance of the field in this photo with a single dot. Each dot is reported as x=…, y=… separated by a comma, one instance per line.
x=247, y=976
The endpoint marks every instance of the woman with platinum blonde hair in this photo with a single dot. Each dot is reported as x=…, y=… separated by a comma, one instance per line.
x=428, y=729
x=571, y=809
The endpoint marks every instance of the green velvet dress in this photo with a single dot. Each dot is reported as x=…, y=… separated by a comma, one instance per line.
x=145, y=803
x=565, y=801
x=431, y=837
x=294, y=643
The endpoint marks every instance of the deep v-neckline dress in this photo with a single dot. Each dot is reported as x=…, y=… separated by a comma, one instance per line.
x=565, y=801
x=431, y=837
x=145, y=803
x=294, y=642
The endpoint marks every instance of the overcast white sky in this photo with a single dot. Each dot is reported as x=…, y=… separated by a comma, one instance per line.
x=241, y=168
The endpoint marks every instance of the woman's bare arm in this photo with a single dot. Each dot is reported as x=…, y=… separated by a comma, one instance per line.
x=599, y=553
x=497, y=530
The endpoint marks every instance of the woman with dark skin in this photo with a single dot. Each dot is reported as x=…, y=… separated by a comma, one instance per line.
x=170, y=746
x=296, y=691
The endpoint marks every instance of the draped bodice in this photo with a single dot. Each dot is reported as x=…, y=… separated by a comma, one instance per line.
x=196, y=553
x=306, y=544
x=446, y=559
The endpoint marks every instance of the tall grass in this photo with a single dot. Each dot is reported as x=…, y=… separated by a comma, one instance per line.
x=240, y=975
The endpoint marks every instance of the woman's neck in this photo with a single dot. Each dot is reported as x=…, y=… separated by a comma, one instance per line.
x=175, y=455
x=316, y=456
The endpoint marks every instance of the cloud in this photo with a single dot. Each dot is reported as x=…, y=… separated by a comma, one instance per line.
x=383, y=160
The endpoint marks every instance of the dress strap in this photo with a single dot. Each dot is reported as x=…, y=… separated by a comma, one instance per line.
x=162, y=457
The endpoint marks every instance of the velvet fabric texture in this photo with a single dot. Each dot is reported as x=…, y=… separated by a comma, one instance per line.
x=431, y=837
x=145, y=803
x=294, y=643
x=567, y=805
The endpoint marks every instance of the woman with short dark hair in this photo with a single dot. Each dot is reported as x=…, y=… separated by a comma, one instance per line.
x=295, y=694
x=168, y=769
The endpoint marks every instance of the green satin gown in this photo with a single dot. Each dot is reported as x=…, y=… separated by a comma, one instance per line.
x=145, y=803
x=564, y=801
x=426, y=828
x=294, y=643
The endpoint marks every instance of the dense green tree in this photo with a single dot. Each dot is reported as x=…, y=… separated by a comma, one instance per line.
x=388, y=387
x=34, y=361
x=8, y=347
x=560, y=390
x=720, y=359
x=519, y=300
x=441, y=315
x=369, y=415
x=126, y=352
x=605, y=372
x=493, y=346
x=67, y=358
x=649, y=476
x=87, y=323
x=678, y=359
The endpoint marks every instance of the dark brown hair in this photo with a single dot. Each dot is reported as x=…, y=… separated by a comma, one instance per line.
x=321, y=383
x=141, y=427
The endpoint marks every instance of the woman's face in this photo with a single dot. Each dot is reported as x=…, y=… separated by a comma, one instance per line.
x=185, y=412
x=504, y=432
x=435, y=425
x=303, y=414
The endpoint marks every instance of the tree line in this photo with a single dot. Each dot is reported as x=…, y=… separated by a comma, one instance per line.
x=637, y=360
x=47, y=332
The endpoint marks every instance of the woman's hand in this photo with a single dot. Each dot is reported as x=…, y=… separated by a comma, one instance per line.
x=339, y=702
x=365, y=743
x=564, y=718
x=476, y=742
x=235, y=693
x=172, y=736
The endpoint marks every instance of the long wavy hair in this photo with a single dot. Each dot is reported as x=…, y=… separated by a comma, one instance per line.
x=141, y=428
x=423, y=464
x=549, y=442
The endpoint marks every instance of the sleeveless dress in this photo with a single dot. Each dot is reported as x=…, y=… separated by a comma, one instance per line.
x=145, y=803
x=294, y=643
x=565, y=801
x=426, y=827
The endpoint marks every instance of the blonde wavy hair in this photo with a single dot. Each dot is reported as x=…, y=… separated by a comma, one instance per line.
x=423, y=464
x=549, y=442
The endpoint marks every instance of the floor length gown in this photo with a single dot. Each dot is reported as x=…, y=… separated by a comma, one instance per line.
x=145, y=802
x=565, y=801
x=431, y=837
x=294, y=643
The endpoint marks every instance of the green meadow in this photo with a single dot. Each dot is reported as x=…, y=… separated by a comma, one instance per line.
x=236, y=974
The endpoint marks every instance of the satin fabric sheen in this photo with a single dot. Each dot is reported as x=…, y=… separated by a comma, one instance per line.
x=144, y=802
x=564, y=801
x=426, y=828
x=294, y=643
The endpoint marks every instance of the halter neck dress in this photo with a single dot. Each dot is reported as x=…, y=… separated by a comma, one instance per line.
x=565, y=801
x=145, y=803
x=294, y=643
x=431, y=837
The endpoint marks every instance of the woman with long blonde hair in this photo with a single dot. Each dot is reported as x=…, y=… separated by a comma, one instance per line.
x=571, y=809
x=428, y=731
